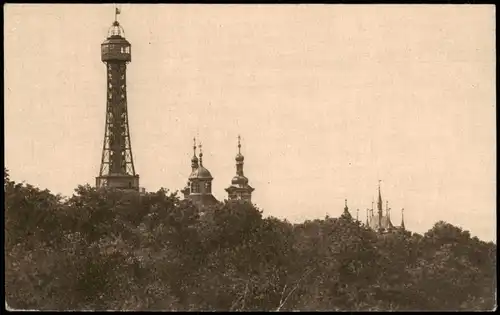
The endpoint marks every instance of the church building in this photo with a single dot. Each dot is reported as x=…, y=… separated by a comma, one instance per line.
x=199, y=185
x=199, y=190
x=239, y=189
x=379, y=222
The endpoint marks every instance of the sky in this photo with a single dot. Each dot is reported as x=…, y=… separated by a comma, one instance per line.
x=328, y=100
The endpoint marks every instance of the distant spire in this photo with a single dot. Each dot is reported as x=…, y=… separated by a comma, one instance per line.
x=194, y=159
x=379, y=203
x=346, y=210
x=201, y=155
x=357, y=214
x=239, y=159
x=239, y=144
x=379, y=207
x=402, y=218
x=367, y=223
x=388, y=215
x=239, y=189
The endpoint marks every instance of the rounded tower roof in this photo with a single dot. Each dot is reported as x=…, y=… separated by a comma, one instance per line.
x=116, y=30
x=200, y=173
x=239, y=157
x=239, y=180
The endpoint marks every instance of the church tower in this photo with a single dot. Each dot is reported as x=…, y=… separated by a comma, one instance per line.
x=239, y=189
x=402, y=226
x=199, y=185
x=380, y=222
x=346, y=213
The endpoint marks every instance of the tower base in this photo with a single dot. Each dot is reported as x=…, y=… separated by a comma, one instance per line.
x=118, y=181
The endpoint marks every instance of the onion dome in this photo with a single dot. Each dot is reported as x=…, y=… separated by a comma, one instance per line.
x=239, y=180
x=201, y=173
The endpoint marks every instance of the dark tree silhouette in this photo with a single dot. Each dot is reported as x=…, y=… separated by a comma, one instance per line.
x=111, y=249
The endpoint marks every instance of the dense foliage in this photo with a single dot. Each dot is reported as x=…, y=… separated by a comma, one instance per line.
x=105, y=249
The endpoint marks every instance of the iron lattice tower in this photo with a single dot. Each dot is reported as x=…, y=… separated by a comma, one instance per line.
x=117, y=163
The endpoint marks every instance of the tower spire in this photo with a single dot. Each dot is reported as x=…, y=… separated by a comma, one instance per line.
x=239, y=159
x=379, y=207
x=239, y=144
x=201, y=155
x=194, y=145
x=194, y=159
x=379, y=203
x=346, y=210
x=367, y=223
x=402, y=218
x=239, y=188
x=357, y=214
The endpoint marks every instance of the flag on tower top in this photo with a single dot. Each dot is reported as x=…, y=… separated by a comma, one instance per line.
x=117, y=11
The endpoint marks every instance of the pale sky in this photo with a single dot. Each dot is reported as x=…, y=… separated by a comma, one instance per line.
x=328, y=99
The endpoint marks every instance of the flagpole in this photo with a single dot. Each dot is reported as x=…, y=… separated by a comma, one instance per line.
x=117, y=11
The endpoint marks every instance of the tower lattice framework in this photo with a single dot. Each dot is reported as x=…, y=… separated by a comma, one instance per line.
x=117, y=164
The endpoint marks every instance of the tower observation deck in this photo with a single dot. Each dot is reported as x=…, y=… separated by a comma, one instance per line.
x=117, y=163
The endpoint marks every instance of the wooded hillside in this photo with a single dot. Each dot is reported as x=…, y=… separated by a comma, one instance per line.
x=124, y=251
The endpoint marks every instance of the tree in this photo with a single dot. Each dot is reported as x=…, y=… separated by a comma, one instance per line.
x=121, y=250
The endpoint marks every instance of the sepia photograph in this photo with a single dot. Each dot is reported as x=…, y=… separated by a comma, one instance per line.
x=250, y=157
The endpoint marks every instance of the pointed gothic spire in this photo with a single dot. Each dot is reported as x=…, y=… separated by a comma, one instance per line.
x=367, y=223
x=357, y=214
x=402, y=218
x=379, y=207
x=379, y=203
